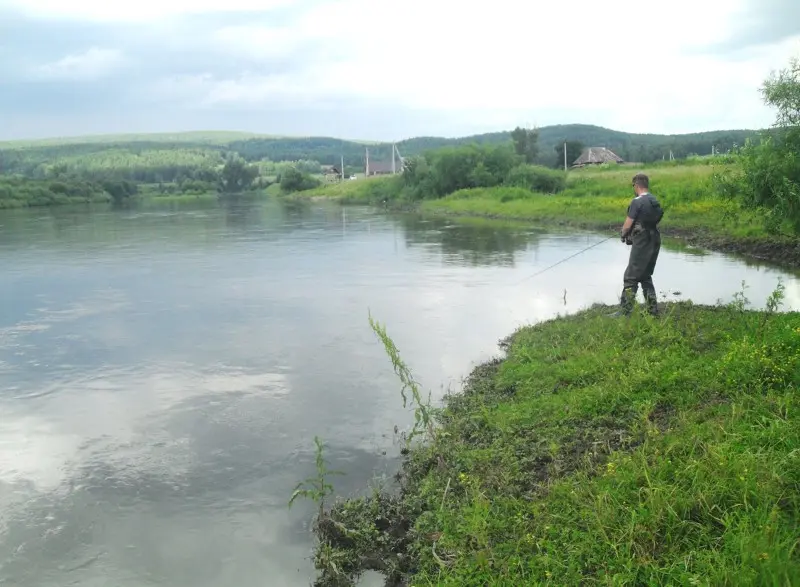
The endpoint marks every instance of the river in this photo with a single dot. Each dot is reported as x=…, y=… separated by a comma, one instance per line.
x=164, y=369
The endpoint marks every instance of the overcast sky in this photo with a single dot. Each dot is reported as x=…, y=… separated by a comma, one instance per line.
x=373, y=69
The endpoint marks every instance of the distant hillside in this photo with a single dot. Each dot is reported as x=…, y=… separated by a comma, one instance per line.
x=30, y=157
x=195, y=138
x=629, y=146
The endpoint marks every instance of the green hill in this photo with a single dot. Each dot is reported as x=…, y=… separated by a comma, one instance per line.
x=195, y=137
x=629, y=146
x=29, y=158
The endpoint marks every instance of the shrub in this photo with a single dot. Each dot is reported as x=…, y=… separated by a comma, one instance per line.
x=770, y=170
x=536, y=178
x=444, y=171
x=294, y=180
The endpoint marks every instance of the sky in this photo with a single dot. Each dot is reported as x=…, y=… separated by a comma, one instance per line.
x=376, y=70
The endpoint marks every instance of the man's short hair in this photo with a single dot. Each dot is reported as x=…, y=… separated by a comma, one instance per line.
x=641, y=180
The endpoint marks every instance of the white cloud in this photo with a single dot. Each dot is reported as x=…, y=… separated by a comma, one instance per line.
x=644, y=67
x=510, y=61
x=142, y=11
x=256, y=41
x=91, y=64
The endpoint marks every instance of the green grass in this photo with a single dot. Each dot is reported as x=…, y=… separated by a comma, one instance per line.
x=601, y=451
x=363, y=190
x=599, y=199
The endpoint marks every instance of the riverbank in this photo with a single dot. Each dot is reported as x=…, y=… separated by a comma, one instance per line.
x=597, y=199
x=708, y=224
x=600, y=451
x=18, y=192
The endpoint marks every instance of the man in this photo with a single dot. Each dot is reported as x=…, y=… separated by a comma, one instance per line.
x=640, y=230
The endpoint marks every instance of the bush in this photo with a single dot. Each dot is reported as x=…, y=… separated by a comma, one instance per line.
x=18, y=192
x=768, y=178
x=444, y=171
x=294, y=180
x=770, y=170
x=537, y=179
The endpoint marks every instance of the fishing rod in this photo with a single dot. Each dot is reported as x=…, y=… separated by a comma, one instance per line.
x=565, y=259
x=597, y=244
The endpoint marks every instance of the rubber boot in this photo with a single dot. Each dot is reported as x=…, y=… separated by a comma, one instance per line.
x=626, y=304
x=651, y=300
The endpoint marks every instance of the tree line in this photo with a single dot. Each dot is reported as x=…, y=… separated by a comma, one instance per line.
x=163, y=161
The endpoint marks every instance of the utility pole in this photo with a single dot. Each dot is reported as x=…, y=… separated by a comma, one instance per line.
x=367, y=152
x=342, y=169
x=565, y=155
x=393, y=167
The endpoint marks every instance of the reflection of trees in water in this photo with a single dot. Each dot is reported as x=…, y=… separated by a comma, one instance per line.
x=295, y=209
x=242, y=212
x=472, y=243
x=266, y=216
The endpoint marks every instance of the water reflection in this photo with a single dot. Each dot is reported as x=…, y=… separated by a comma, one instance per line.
x=471, y=243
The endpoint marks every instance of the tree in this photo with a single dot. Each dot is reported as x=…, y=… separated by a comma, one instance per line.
x=769, y=177
x=526, y=143
x=294, y=180
x=237, y=175
x=782, y=91
x=574, y=150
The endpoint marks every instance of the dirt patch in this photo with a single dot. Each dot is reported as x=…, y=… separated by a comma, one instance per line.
x=661, y=415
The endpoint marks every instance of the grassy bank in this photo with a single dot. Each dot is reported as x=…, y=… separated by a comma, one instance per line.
x=365, y=190
x=598, y=199
x=20, y=192
x=16, y=192
x=599, y=451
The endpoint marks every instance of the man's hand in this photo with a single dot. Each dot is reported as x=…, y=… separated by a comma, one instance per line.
x=626, y=228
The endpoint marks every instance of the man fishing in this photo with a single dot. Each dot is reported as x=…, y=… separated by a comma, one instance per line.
x=640, y=230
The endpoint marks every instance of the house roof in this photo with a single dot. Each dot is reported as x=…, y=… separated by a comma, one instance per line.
x=384, y=166
x=597, y=155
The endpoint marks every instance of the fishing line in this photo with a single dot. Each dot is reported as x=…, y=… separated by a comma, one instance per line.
x=597, y=244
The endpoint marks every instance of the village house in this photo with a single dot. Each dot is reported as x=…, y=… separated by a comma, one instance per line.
x=332, y=173
x=597, y=156
x=383, y=168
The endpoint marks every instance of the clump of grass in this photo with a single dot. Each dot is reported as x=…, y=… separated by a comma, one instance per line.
x=316, y=488
x=423, y=411
x=601, y=451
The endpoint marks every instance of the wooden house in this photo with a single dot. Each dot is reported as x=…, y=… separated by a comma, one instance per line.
x=597, y=156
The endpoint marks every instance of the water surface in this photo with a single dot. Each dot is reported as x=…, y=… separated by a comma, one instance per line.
x=163, y=370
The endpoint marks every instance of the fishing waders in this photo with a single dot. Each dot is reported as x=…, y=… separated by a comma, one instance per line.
x=645, y=241
x=645, y=246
